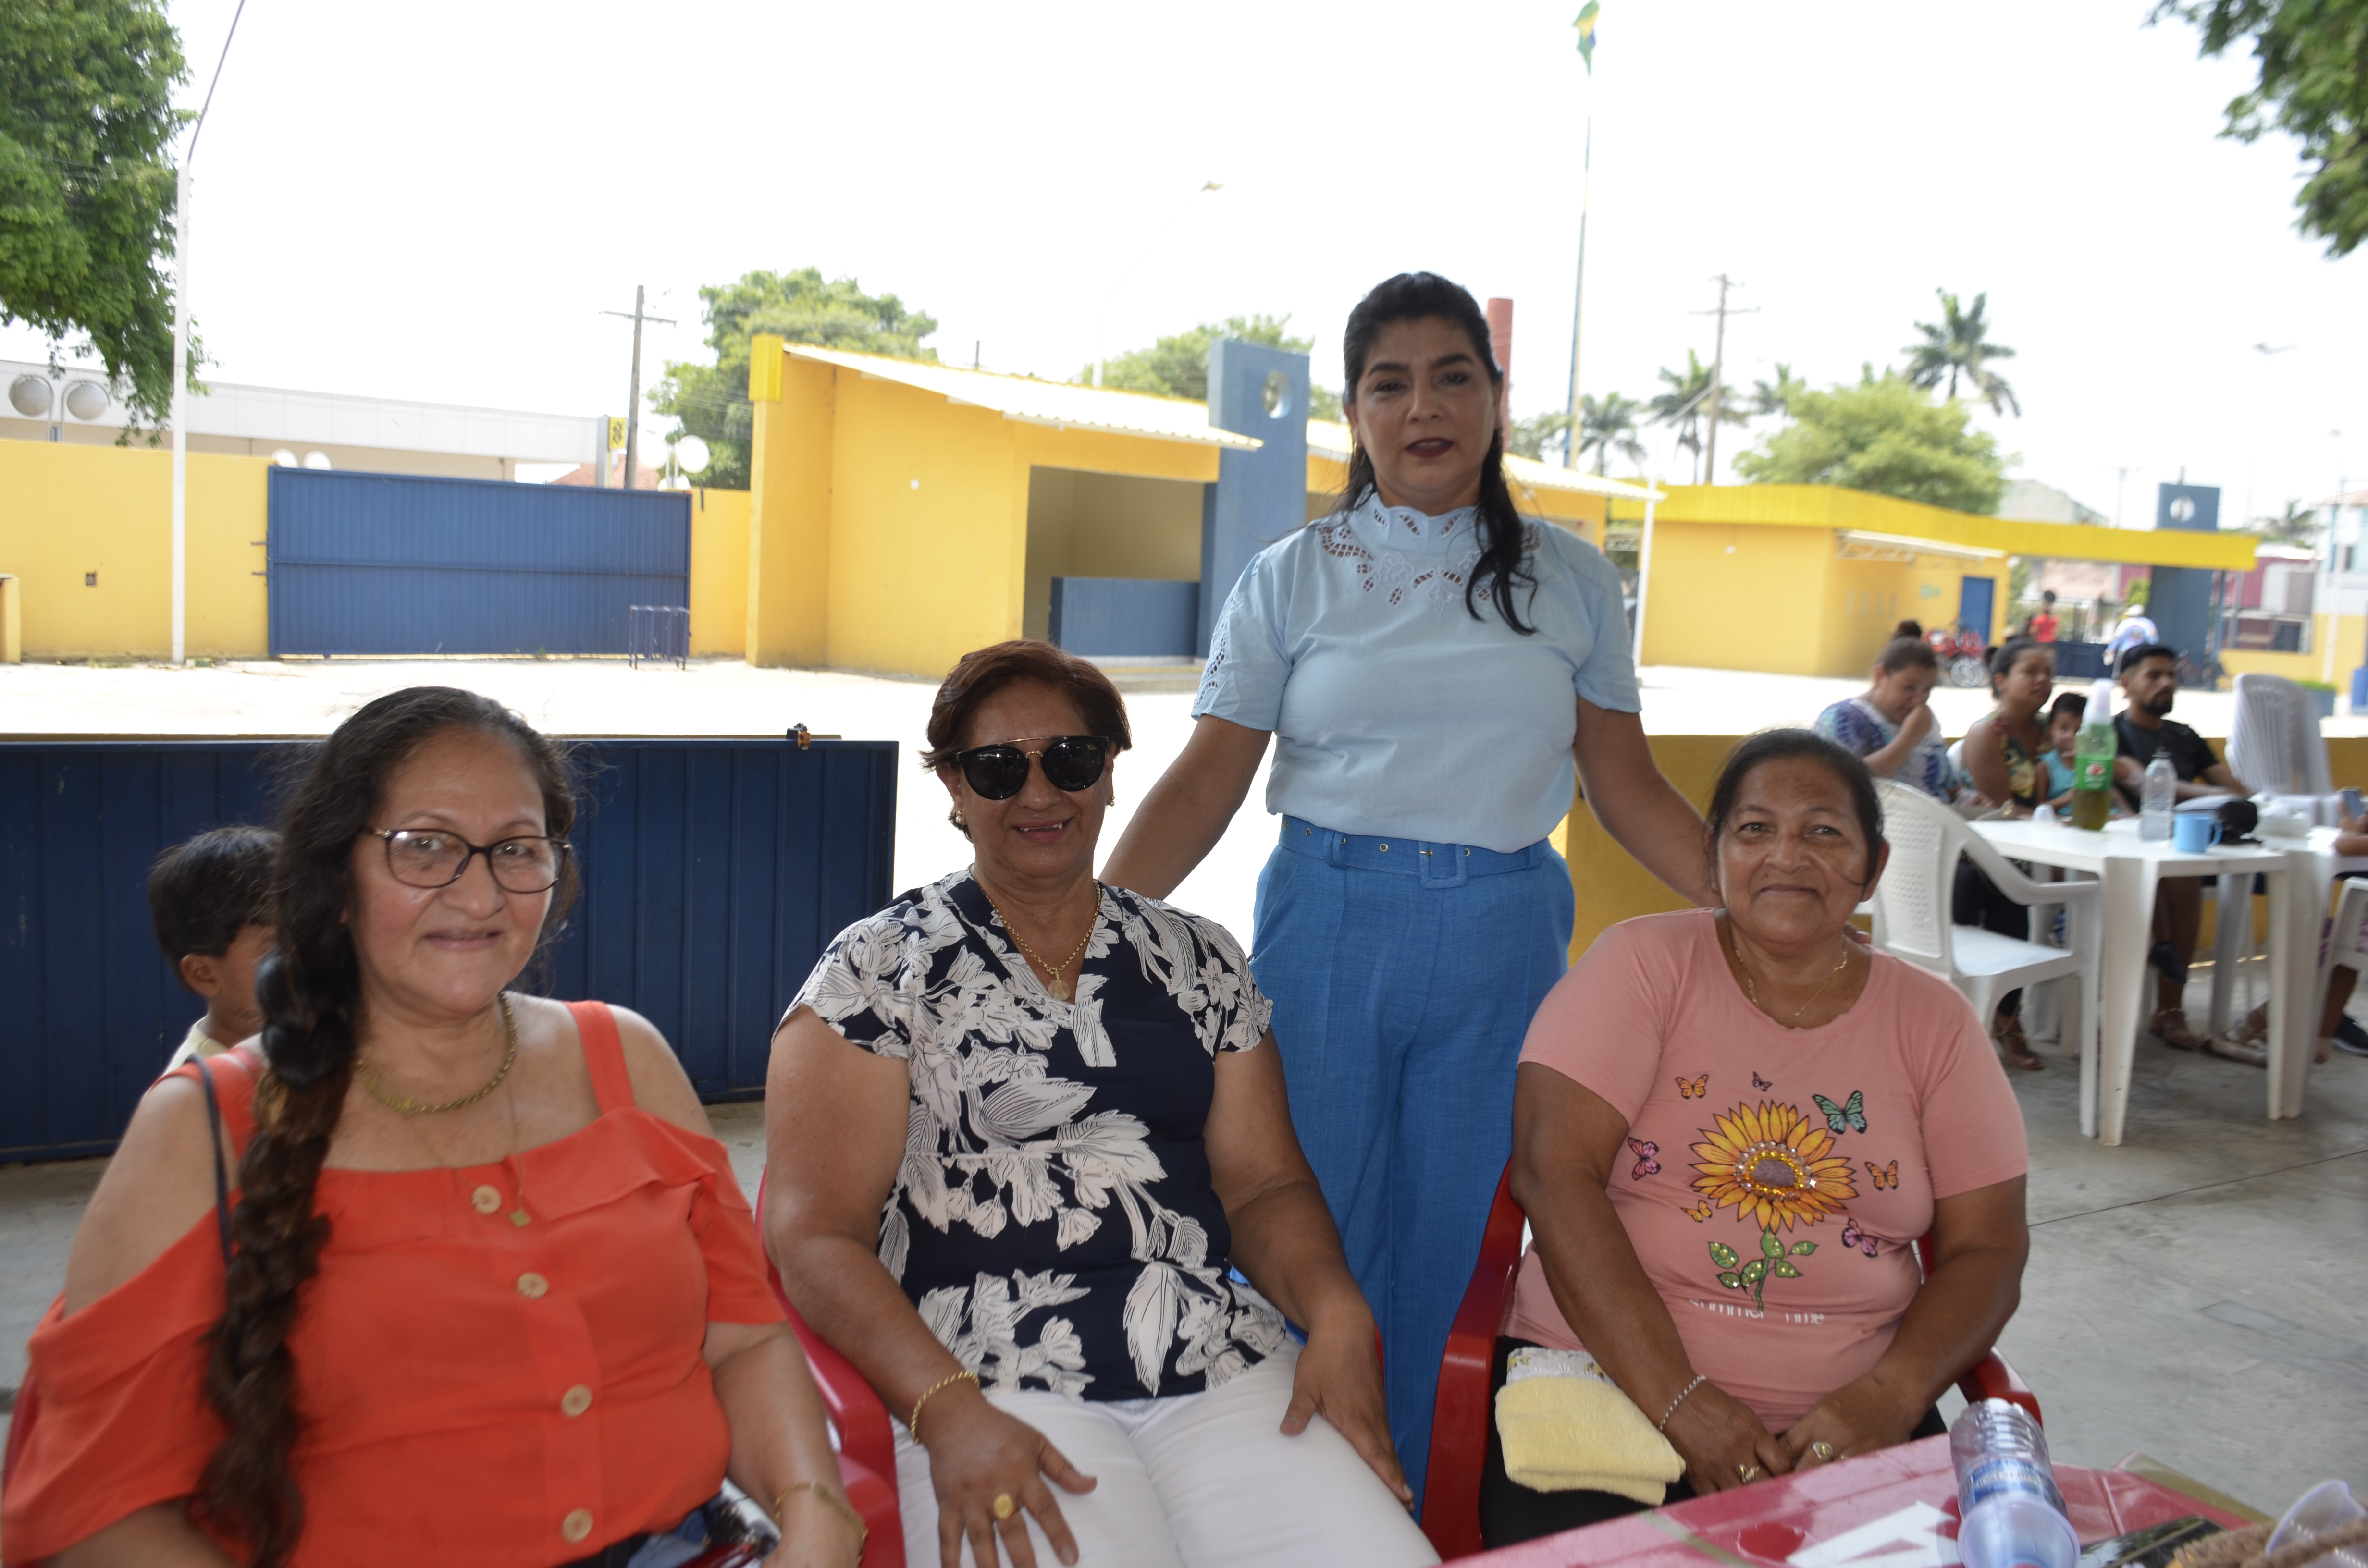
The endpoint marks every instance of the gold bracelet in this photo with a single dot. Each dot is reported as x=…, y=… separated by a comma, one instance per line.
x=838, y=1503
x=913, y=1424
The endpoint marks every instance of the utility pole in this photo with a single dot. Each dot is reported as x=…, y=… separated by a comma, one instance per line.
x=633, y=404
x=1718, y=376
x=1578, y=293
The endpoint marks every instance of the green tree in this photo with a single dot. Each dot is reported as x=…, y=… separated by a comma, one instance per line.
x=1958, y=344
x=712, y=401
x=1537, y=435
x=2298, y=524
x=1609, y=424
x=2310, y=85
x=1885, y=435
x=1776, y=396
x=1178, y=366
x=1686, y=403
x=86, y=186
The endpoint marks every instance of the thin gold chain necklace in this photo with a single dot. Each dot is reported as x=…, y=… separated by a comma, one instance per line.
x=404, y=1106
x=1052, y=968
x=1752, y=990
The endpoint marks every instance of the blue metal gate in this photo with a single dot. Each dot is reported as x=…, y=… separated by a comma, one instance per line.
x=714, y=871
x=397, y=564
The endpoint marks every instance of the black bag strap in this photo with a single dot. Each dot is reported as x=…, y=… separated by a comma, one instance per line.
x=221, y=1180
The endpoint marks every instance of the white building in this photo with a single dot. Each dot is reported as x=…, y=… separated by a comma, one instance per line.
x=317, y=429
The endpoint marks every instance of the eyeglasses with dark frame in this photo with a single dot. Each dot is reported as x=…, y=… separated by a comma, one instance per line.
x=432, y=857
x=1071, y=764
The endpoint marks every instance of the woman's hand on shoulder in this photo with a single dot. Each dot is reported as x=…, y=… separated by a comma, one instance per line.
x=977, y=1454
x=1723, y=1442
x=1857, y=1418
x=1340, y=1377
x=156, y=1187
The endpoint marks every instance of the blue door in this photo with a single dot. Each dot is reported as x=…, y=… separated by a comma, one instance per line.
x=1975, y=597
x=399, y=563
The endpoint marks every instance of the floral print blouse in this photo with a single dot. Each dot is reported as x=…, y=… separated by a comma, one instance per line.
x=1054, y=1219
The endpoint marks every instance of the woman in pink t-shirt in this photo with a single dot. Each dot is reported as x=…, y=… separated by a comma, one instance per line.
x=1730, y=1128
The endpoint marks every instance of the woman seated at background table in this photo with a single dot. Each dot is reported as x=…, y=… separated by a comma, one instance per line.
x=2006, y=753
x=1730, y=1129
x=1891, y=725
x=496, y=1301
x=1018, y=1125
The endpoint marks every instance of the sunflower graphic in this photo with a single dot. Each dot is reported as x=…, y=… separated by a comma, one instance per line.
x=1773, y=1166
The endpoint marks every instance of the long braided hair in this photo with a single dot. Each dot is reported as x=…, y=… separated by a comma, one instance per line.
x=1411, y=296
x=311, y=992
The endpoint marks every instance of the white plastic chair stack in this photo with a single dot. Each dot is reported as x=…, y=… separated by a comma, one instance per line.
x=1913, y=920
x=2274, y=747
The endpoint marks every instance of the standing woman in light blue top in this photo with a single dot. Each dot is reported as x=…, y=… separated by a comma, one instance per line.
x=1434, y=669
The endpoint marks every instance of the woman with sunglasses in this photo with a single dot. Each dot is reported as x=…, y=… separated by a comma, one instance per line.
x=1021, y=1129
x=477, y=1287
x=1434, y=671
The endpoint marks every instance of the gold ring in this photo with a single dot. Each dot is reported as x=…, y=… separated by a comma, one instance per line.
x=1747, y=1472
x=1821, y=1450
x=1005, y=1505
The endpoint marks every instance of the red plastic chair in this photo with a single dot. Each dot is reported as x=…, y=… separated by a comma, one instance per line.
x=1459, y=1423
x=866, y=1445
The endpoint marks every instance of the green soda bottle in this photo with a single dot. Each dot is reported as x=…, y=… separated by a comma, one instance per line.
x=2092, y=760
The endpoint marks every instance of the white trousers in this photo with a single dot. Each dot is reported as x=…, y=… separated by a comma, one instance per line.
x=1192, y=1481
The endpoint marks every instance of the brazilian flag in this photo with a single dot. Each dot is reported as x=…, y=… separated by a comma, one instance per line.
x=1586, y=25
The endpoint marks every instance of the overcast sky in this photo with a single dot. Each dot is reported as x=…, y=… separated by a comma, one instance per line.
x=436, y=200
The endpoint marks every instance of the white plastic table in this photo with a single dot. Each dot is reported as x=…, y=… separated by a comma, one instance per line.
x=2130, y=867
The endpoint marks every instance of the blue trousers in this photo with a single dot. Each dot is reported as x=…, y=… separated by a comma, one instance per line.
x=1404, y=976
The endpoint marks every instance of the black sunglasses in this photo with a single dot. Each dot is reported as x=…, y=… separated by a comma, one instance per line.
x=998, y=772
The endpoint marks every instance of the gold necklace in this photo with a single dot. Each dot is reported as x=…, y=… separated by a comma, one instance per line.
x=1052, y=968
x=1753, y=990
x=404, y=1106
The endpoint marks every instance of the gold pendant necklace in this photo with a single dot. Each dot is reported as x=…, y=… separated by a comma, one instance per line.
x=404, y=1106
x=1752, y=990
x=1052, y=968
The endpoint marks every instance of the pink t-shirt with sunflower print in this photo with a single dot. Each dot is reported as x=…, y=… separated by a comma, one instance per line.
x=1774, y=1181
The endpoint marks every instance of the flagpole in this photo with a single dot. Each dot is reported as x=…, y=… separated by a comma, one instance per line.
x=1584, y=23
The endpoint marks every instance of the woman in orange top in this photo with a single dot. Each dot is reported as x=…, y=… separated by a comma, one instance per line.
x=492, y=1296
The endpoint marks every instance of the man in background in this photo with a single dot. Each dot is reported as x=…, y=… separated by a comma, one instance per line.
x=2043, y=624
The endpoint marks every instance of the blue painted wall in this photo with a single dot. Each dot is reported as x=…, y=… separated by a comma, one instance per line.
x=713, y=871
x=1259, y=496
x=2178, y=598
x=398, y=564
x=1133, y=617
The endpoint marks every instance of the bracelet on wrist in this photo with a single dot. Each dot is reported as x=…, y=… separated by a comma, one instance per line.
x=1662, y=1425
x=913, y=1422
x=838, y=1504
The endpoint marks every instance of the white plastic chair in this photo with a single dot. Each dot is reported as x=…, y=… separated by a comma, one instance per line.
x=2275, y=747
x=1914, y=922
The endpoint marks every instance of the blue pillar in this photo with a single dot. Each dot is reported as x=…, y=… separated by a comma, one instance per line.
x=2178, y=598
x=1259, y=496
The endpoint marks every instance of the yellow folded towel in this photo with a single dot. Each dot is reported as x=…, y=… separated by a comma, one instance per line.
x=1567, y=1427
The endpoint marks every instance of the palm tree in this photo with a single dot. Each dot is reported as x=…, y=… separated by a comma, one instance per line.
x=1776, y=397
x=1684, y=404
x=1959, y=345
x=1607, y=425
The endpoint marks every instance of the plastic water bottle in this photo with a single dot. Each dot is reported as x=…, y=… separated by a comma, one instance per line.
x=2012, y=1513
x=2161, y=793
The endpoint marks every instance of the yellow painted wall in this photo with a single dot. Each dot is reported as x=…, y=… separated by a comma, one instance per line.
x=69, y=510
x=2350, y=633
x=1610, y=887
x=719, y=573
x=1082, y=524
x=790, y=456
x=1741, y=598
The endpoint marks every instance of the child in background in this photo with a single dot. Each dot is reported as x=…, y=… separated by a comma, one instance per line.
x=2064, y=735
x=211, y=899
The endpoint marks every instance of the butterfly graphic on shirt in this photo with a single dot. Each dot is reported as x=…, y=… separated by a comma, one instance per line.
x=1760, y=1083
x=1648, y=1159
x=1854, y=1237
x=1883, y=1175
x=1847, y=1117
x=1700, y=1211
x=1693, y=1089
